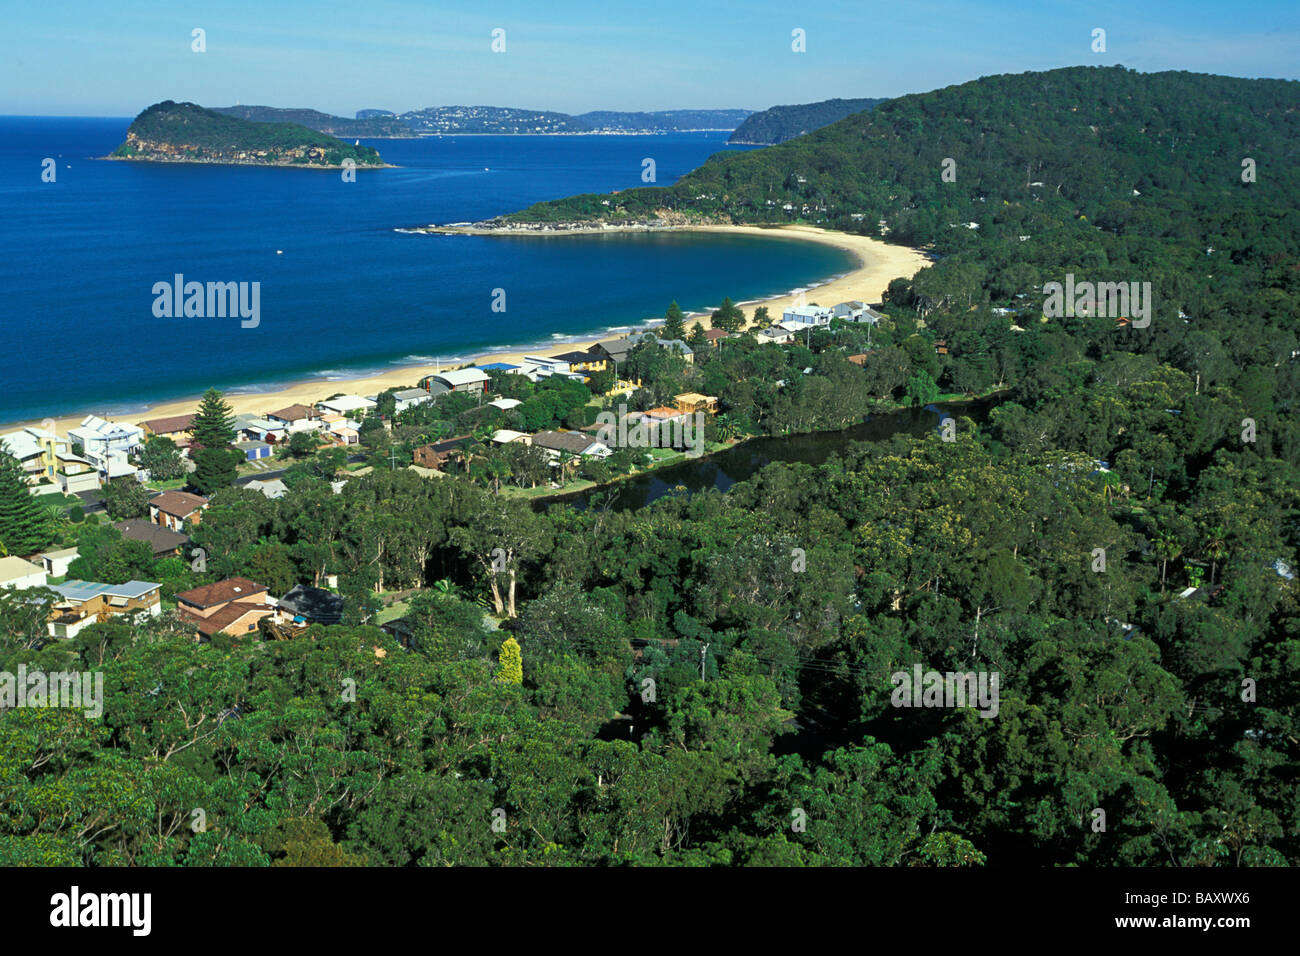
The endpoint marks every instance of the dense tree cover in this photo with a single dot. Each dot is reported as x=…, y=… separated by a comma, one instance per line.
x=707, y=680
x=209, y=134
x=780, y=123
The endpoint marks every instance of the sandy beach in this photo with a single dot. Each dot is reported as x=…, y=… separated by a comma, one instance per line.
x=878, y=264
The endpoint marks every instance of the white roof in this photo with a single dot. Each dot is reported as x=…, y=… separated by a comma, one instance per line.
x=505, y=404
x=275, y=488
x=504, y=436
x=346, y=403
x=65, y=553
x=463, y=376
x=13, y=568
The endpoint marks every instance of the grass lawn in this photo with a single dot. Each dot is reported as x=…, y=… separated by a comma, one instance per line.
x=391, y=613
x=59, y=500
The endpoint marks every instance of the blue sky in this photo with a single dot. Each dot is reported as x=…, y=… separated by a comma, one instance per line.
x=92, y=58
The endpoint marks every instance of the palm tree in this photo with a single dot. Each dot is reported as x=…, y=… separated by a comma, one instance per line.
x=1216, y=546
x=1167, y=548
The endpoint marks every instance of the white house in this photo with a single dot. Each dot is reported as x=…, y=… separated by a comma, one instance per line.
x=36, y=450
x=18, y=574
x=56, y=562
x=106, y=445
x=410, y=397
x=470, y=380
x=807, y=315
x=504, y=436
x=505, y=404
x=344, y=404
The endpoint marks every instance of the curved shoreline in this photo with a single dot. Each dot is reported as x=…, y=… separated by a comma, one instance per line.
x=878, y=263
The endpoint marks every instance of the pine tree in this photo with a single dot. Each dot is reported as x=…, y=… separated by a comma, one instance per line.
x=214, y=422
x=674, y=322
x=25, y=524
x=214, y=469
x=728, y=316
x=511, y=670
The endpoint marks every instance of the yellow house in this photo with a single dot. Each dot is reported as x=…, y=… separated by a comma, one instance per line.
x=691, y=402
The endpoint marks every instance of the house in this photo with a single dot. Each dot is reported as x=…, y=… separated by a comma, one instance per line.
x=582, y=361
x=558, y=444
x=469, y=380
x=940, y=347
x=56, y=562
x=807, y=315
x=254, y=450
x=83, y=603
x=674, y=345
x=611, y=350
x=855, y=311
x=343, y=430
x=37, y=452
x=275, y=488
x=714, y=336
x=409, y=398
x=175, y=427
x=504, y=436
x=505, y=404
x=554, y=363
x=233, y=606
x=18, y=575
x=691, y=402
x=343, y=404
x=106, y=445
x=252, y=428
x=859, y=360
x=165, y=542
x=435, y=456
x=775, y=335
x=172, y=509
x=308, y=605
x=296, y=418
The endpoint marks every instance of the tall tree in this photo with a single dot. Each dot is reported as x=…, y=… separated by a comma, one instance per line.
x=25, y=524
x=214, y=422
x=674, y=322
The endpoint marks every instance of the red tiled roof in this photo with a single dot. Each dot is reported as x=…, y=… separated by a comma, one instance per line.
x=166, y=426
x=210, y=595
x=179, y=504
x=228, y=615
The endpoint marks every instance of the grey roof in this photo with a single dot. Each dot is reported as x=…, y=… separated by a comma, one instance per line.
x=162, y=540
x=314, y=604
x=406, y=394
x=573, y=442
x=82, y=591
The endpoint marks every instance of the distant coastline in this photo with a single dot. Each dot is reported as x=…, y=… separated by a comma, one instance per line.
x=877, y=264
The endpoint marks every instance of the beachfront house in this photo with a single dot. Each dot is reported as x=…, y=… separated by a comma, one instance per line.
x=673, y=345
x=774, y=335
x=410, y=397
x=175, y=427
x=580, y=361
x=470, y=381
x=856, y=311
x=172, y=509
x=296, y=418
x=107, y=445
x=37, y=452
x=253, y=428
x=83, y=603
x=353, y=406
x=807, y=315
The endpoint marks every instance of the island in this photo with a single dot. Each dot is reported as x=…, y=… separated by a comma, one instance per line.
x=170, y=132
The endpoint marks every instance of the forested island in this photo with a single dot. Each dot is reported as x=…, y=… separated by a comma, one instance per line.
x=170, y=132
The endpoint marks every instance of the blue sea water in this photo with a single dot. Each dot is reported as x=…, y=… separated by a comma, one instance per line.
x=343, y=292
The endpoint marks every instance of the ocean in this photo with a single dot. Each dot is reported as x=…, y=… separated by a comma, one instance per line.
x=343, y=292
